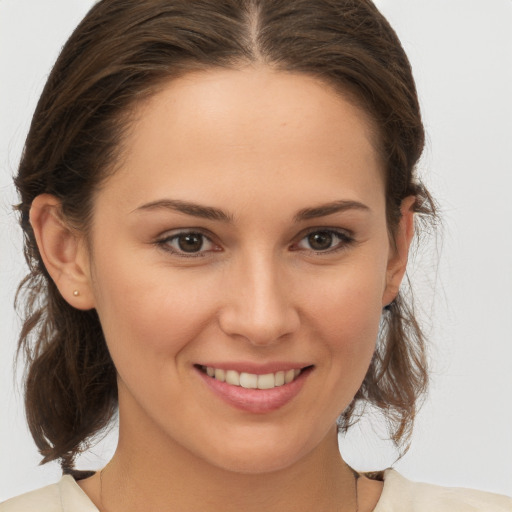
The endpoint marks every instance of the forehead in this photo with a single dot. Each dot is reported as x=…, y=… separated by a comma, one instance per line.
x=218, y=132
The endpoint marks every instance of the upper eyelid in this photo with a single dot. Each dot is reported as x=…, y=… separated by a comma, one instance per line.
x=337, y=231
x=173, y=233
x=163, y=242
x=211, y=236
x=346, y=238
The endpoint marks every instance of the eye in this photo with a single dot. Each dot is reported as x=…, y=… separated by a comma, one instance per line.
x=325, y=240
x=188, y=243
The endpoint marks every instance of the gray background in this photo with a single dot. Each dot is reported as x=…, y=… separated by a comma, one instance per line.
x=461, y=52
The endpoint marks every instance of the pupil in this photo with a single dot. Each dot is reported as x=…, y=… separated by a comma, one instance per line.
x=320, y=241
x=191, y=242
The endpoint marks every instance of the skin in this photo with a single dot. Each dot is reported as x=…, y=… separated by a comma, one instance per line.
x=261, y=146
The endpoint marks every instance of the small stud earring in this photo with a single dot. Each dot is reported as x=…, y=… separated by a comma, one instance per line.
x=76, y=293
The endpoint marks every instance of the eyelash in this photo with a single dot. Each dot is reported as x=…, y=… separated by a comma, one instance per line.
x=344, y=241
x=165, y=242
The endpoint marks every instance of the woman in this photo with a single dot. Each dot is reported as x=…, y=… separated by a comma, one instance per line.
x=218, y=201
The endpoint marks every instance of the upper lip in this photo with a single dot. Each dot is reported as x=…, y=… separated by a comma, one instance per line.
x=256, y=368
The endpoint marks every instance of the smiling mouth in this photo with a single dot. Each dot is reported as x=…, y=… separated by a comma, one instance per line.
x=253, y=380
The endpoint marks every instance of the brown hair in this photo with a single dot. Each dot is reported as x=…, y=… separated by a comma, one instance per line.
x=117, y=56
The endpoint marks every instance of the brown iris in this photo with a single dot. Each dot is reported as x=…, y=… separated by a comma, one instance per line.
x=190, y=242
x=320, y=240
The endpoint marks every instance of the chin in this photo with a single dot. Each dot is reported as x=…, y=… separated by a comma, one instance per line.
x=261, y=452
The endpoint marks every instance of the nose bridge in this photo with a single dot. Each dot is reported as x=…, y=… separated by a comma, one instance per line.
x=259, y=305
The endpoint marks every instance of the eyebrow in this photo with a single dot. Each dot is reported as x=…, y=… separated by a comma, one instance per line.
x=211, y=213
x=329, y=209
x=188, y=208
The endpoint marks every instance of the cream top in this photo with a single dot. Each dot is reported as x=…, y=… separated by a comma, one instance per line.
x=398, y=495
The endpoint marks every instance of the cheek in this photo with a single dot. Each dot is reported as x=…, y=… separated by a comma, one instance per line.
x=342, y=318
x=348, y=307
x=148, y=314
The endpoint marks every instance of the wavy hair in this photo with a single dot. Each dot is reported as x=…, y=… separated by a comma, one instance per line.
x=119, y=55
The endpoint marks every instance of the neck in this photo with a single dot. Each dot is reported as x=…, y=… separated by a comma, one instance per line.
x=166, y=477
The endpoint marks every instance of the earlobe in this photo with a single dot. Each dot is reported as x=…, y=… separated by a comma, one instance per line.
x=397, y=262
x=62, y=251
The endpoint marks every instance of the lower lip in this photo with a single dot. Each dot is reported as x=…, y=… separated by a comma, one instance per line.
x=256, y=401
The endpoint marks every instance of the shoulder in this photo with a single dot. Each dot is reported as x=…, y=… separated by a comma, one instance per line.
x=402, y=495
x=64, y=496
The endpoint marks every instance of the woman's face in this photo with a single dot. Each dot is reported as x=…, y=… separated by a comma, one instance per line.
x=244, y=236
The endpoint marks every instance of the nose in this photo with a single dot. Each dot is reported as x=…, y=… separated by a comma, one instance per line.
x=258, y=304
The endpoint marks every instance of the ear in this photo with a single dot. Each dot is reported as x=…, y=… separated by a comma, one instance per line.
x=402, y=239
x=62, y=250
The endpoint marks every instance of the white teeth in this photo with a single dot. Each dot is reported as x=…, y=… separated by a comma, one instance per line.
x=251, y=380
x=266, y=381
x=233, y=377
x=248, y=380
x=289, y=376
